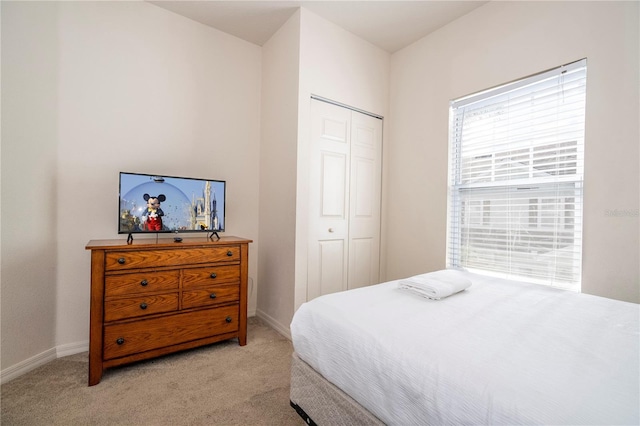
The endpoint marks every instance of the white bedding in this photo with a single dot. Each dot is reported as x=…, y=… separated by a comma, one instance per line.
x=499, y=352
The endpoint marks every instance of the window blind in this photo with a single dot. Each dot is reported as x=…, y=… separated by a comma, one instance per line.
x=516, y=179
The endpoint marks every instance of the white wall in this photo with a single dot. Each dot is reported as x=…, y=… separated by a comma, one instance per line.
x=29, y=182
x=91, y=89
x=280, y=70
x=494, y=44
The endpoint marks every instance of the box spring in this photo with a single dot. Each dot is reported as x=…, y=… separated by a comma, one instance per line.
x=320, y=402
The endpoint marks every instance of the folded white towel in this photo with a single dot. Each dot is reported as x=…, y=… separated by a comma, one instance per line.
x=436, y=285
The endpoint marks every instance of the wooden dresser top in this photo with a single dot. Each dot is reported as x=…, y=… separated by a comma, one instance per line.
x=164, y=241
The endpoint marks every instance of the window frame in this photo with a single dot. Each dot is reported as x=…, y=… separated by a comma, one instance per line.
x=548, y=162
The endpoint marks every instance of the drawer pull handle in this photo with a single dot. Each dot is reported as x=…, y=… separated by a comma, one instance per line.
x=143, y=305
x=213, y=296
x=213, y=275
x=120, y=340
x=229, y=253
x=121, y=260
x=228, y=319
x=144, y=283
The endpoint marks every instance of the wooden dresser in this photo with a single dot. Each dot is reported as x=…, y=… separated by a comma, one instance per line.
x=157, y=296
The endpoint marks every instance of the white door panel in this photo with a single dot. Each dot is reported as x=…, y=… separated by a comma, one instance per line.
x=335, y=129
x=332, y=267
x=363, y=199
x=333, y=181
x=362, y=256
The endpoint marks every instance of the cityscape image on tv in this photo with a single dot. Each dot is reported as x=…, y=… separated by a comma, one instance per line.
x=170, y=204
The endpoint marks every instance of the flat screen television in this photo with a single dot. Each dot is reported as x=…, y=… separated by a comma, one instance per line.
x=155, y=203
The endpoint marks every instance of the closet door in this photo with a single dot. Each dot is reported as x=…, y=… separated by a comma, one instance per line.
x=344, y=199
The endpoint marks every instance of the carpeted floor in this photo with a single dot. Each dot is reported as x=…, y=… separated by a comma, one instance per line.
x=220, y=384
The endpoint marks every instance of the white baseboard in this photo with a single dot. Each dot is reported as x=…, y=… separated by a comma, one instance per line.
x=72, y=348
x=27, y=365
x=284, y=330
x=42, y=358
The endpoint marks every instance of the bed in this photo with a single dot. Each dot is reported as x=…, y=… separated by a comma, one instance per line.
x=499, y=352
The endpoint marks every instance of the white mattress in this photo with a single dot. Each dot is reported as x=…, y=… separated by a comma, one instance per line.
x=499, y=352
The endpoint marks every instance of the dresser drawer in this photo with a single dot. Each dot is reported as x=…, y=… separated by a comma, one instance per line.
x=210, y=296
x=123, y=260
x=143, y=282
x=210, y=275
x=139, y=306
x=140, y=336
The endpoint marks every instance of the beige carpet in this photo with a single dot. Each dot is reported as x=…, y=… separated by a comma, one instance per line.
x=220, y=384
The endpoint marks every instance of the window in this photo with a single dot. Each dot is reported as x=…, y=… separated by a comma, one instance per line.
x=516, y=176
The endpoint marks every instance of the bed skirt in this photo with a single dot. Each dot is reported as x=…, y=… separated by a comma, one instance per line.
x=320, y=402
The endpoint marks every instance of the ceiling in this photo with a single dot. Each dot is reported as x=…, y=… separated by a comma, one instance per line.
x=390, y=25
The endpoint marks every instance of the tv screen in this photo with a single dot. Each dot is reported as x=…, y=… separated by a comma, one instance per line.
x=154, y=203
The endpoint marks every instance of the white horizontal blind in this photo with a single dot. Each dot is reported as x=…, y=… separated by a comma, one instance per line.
x=515, y=179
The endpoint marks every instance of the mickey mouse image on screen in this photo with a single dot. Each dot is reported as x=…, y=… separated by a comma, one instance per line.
x=152, y=215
